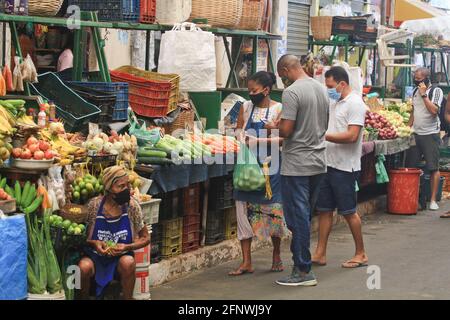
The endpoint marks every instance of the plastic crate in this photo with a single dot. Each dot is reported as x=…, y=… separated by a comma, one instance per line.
x=191, y=199
x=221, y=193
x=152, y=94
x=70, y=107
x=131, y=10
x=150, y=211
x=230, y=223
x=103, y=100
x=156, y=243
x=119, y=89
x=170, y=206
x=147, y=11
x=107, y=10
x=215, y=227
x=191, y=232
x=172, y=237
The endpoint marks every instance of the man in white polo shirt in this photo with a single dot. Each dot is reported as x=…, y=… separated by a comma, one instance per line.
x=427, y=126
x=344, y=149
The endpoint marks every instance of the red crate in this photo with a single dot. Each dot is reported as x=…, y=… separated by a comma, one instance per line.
x=191, y=241
x=192, y=219
x=148, y=11
x=191, y=199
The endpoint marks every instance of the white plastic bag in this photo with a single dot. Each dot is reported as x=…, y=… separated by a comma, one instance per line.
x=190, y=54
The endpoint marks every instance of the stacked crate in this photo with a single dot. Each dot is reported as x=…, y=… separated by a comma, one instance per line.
x=171, y=224
x=191, y=218
x=230, y=223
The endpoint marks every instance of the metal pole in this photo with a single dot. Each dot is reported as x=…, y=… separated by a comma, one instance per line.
x=383, y=12
x=147, y=53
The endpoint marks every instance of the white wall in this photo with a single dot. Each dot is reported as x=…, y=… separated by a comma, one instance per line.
x=279, y=26
x=117, y=49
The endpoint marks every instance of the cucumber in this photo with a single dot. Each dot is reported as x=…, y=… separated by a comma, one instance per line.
x=146, y=152
x=154, y=160
x=10, y=191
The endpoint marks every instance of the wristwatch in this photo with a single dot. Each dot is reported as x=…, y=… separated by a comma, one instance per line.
x=424, y=96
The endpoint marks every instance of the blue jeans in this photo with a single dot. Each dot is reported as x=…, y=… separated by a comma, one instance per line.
x=299, y=199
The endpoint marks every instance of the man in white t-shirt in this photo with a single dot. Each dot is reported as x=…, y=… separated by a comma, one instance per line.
x=425, y=121
x=344, y=149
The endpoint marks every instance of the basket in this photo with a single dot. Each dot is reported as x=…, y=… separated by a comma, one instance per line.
x=220, y=13
x=152, y=94
x=70, y=107
x=103, y=160
x=47, y=8
x=252, y=15
x=184, y=121
x=321, y=27
x=74, y=217
x=147, y=12
x=119, y=89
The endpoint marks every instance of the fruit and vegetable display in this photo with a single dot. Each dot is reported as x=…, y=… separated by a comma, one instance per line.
x=34, y=149
x=171, y=150
x=378, y=122
x=102, y=144
x=85, y=188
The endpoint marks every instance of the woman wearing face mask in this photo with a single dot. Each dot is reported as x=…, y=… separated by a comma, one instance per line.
x=113, y=218
x=258, y=213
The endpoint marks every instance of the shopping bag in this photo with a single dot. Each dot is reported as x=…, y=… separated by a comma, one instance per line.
x=13, y=257
x=248, y=175
x=188, y=51
x=382, y=176
x=143, y=135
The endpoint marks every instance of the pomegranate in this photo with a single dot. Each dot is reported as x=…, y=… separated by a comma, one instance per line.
x=32, y=140
x=33, y=148
x=26, y=154
x=43, y=146
x=16, y=153
x=38, y=155
x=48, y=154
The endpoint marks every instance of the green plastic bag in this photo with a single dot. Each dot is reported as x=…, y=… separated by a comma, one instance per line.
x=382, y=176
x=248, y=175
x=140, y=131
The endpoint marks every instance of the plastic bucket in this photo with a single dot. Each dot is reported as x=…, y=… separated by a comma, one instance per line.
x=47, y=296
x=403, y=191
x=142, y=286
x=425, y=187
x=142, y=257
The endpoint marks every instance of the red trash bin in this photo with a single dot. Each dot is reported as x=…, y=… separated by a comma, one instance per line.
x=403, y=191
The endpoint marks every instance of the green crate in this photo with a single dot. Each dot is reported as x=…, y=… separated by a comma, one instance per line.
x=444, y=152
x=75, y=112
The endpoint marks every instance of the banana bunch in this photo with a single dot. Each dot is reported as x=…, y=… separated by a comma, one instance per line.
x=7, y=122
x=66, y=151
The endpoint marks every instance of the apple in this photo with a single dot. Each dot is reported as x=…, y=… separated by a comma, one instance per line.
x=32, y=140
x=16, y=153
x=33, y=148
x=43, y=145
x=38, y=155
x=49, y=154
x=26, y=154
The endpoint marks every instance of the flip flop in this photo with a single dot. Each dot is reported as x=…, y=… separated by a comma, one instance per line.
x=278, y=267
x=355, y=264
x=240, y=272
x=317, y=263
x=446, y=215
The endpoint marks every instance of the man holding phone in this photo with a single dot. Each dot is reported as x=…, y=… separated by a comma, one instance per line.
x=425, y=121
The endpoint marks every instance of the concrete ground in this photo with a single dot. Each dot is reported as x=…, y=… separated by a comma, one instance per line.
x=412, y=253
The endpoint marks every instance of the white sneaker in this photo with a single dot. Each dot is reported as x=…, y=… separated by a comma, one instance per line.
x=434, y=206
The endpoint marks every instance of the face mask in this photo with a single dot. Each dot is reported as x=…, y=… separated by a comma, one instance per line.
x=286, y=82
x=256, y=99
x=426, y=81
x=122, y=197
x=333, y=94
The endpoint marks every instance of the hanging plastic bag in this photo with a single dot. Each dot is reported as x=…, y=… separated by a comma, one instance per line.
x=17, y=76
x=248, y=175
x=28, y=70
x=382, y=176
x=13, y=257
x=190, y=54
x=7, y=75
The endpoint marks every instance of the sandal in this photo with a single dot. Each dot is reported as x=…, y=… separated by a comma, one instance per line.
x=446, y=215
x=350, y=264
x=240, y=272
x=277, y=267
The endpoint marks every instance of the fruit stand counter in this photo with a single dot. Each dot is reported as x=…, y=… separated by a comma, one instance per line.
x=174, y=177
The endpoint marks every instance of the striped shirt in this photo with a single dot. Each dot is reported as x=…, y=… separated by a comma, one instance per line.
x=425, y=122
